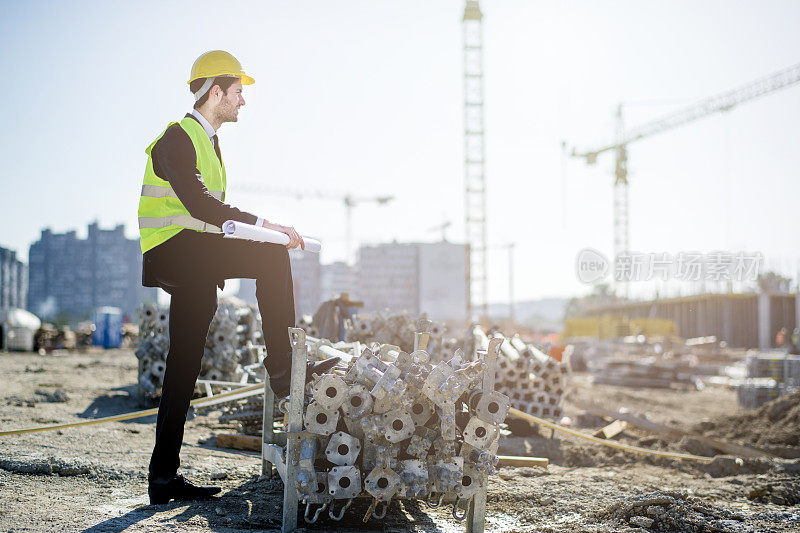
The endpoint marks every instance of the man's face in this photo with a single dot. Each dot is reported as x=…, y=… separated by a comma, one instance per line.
x=232, y=100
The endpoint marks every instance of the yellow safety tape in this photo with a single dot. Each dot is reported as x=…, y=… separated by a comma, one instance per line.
x=511, y=411
x=604, y=442
x=128, y=416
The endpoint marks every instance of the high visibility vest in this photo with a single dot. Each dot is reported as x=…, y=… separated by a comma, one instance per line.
x=161, y=213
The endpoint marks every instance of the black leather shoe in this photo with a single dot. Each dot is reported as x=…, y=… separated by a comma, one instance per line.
x=281, y=383
x=178, y=489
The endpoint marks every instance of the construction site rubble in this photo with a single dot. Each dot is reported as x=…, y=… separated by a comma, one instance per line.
x=395, y=424
x=234, y=341
x=671, y=511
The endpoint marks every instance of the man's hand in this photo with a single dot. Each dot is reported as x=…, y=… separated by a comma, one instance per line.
x=295, y=240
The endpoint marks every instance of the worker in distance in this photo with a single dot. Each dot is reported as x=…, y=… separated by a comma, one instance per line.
x=181, y=210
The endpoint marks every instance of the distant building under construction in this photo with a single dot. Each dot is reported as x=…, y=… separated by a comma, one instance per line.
x=740, y=320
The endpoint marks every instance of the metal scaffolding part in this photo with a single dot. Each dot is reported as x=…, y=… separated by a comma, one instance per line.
x=444, y=418
x=474, y=161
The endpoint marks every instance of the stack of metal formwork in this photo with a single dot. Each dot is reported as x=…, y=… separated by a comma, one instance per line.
x=768, y=376
x=398, y=329
x=384, y=327
x=153, y=347
x=397, y=428
x=535, y=382
x=248, y=412
x=234, y=340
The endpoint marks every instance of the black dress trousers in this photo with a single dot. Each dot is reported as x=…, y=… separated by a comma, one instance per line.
x=189, y=266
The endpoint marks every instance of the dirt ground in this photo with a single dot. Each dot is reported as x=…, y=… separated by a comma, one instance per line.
x=94, y=478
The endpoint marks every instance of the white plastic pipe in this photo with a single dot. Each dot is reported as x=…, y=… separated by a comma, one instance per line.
x=322, y=346
x=239, y=230
x=481, y=338
x=506, y=348
x=330, y=352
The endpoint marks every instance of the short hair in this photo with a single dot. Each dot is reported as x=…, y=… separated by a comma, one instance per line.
x=224, y=83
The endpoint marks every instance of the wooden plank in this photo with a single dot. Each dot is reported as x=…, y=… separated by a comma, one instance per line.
x=612, y=430
x=633, y=381
x=239, y=442
x=515, y=460
x=725, y=447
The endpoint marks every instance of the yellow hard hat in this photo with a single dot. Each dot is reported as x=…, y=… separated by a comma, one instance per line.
x=218, y=63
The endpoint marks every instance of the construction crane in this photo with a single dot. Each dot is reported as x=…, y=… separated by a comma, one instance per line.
x=714, y=104
x=443, y=228
x=475, y=162
x=349, y=200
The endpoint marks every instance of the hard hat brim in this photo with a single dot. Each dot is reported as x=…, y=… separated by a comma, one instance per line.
x=244, y=78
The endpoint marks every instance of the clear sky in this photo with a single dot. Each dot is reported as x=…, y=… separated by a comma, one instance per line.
x=365, y=97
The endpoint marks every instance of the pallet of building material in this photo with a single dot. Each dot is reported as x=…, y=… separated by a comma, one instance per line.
x=755, y=392
x=535, y=382
x=234, y=340
x=783, y=368
x=649, y=373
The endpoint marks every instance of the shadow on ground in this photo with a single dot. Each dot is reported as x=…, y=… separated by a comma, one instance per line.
x=119, y=401
x=257, y=504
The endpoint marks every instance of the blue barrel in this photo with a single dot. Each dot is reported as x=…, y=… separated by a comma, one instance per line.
x=107, y=327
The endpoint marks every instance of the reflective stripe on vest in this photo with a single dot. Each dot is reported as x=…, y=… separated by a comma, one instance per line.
x=159, y=191
x=184, y=221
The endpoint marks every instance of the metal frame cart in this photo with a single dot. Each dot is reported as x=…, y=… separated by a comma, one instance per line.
x=282, y=449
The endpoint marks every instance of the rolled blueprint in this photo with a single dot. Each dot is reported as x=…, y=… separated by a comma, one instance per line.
x=240, y=230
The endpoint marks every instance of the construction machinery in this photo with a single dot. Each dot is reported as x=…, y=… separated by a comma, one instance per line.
x=715, y=104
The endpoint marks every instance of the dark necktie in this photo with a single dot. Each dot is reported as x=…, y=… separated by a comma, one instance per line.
x=215, y=142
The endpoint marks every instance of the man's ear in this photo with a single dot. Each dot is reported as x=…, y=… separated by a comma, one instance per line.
x=216, y=92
